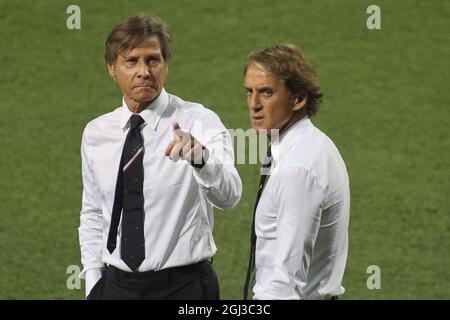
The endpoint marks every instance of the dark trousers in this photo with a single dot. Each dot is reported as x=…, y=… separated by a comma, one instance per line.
x=192, y=282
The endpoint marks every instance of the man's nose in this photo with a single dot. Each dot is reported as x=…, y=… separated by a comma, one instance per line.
x=255, y=102
x=144, y=71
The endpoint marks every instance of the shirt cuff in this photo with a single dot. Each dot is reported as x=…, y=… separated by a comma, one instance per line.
x=204, y=159
x=95, y=266
x=207, y=175
x=92, y=277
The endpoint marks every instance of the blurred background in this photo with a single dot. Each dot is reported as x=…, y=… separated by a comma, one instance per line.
x=386, y=107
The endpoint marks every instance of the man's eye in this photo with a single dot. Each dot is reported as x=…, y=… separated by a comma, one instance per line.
x=248, y=92
x=131, y=61
x=154, y=60
x=268, y=93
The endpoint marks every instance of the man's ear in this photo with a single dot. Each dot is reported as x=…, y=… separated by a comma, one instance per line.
x=299, y=103
x=111, y=70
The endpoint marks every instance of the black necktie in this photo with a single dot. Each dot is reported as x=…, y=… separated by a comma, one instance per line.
x=129, y=196
x=251, y=262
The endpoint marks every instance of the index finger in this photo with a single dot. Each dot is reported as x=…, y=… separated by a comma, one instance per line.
x=169, y=148
x=176, y=128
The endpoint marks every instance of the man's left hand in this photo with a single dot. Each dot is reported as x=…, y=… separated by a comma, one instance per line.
x=185, y=146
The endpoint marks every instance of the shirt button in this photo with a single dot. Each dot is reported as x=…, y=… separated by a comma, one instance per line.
x=137, y=228
x=125, y=240
x=132, y=257
x=125, y=191
x=135, y=179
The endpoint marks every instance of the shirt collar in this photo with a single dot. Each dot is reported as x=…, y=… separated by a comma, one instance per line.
x=282, y=144
x=151, y=114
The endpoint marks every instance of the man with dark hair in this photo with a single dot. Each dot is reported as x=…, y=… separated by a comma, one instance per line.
x=146, y=219
x=299, y=237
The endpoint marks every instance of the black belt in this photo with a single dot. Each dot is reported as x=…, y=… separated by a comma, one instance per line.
x=168, y=273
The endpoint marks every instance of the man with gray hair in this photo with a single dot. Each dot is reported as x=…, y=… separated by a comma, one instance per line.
x=147, y=218
x=299, y=236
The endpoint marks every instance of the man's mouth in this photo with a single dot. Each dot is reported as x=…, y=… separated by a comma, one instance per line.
x=145, y=86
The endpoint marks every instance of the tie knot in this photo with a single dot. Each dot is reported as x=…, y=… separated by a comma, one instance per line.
x=135, y=121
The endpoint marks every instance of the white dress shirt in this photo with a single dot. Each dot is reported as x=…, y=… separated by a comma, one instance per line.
x=302, y=218
x=179, y=198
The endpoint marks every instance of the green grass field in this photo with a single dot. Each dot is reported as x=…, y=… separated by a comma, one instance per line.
x=386, y=107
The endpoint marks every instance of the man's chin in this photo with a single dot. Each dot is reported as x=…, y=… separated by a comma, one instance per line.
x=147, y=98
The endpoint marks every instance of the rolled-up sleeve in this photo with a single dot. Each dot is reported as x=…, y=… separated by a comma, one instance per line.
x=90, y=231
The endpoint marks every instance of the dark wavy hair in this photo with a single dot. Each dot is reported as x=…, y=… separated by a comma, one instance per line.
x=130, y=33
x=288, y=63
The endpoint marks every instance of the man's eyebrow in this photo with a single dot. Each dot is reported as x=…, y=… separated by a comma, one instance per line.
x=129, y=57
x=263, y=89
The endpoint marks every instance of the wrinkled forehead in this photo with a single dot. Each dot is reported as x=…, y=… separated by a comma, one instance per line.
x=258, y=76
x=149, y=44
